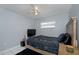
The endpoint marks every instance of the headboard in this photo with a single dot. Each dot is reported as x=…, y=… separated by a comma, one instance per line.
x=71, y=29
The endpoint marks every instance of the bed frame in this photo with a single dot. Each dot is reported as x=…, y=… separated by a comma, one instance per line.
x=70, y=28
x=39, y=50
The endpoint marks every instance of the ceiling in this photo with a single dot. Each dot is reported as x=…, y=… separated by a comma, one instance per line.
x=45, y=9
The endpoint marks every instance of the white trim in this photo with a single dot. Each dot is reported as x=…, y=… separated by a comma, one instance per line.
x=12, y=51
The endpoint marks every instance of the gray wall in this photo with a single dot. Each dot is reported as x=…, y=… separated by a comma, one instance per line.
x=12, y=28
x=74, y=11
x=61, y=21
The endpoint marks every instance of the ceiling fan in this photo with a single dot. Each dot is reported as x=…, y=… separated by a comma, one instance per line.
x=35, y=10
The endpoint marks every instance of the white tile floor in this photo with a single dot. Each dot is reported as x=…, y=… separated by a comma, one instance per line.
x=12, y=51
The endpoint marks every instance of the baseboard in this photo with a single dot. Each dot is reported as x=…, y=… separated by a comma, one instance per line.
x=12, y=51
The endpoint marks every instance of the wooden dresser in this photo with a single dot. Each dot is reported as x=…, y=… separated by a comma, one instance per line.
x=63, y=51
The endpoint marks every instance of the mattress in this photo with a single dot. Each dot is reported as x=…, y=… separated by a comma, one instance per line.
x=50, y=44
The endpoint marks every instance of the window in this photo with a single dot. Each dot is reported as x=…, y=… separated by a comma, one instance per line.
x=48, y=24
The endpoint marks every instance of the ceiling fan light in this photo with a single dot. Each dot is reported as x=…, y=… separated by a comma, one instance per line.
x=36, y=13
x=36, y=8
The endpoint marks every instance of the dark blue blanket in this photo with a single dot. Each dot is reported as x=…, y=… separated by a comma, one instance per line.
x=50, y=44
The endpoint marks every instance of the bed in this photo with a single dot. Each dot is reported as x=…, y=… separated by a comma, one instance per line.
x=50, y=45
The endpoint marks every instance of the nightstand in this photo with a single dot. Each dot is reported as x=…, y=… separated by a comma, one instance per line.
x=63, y=51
